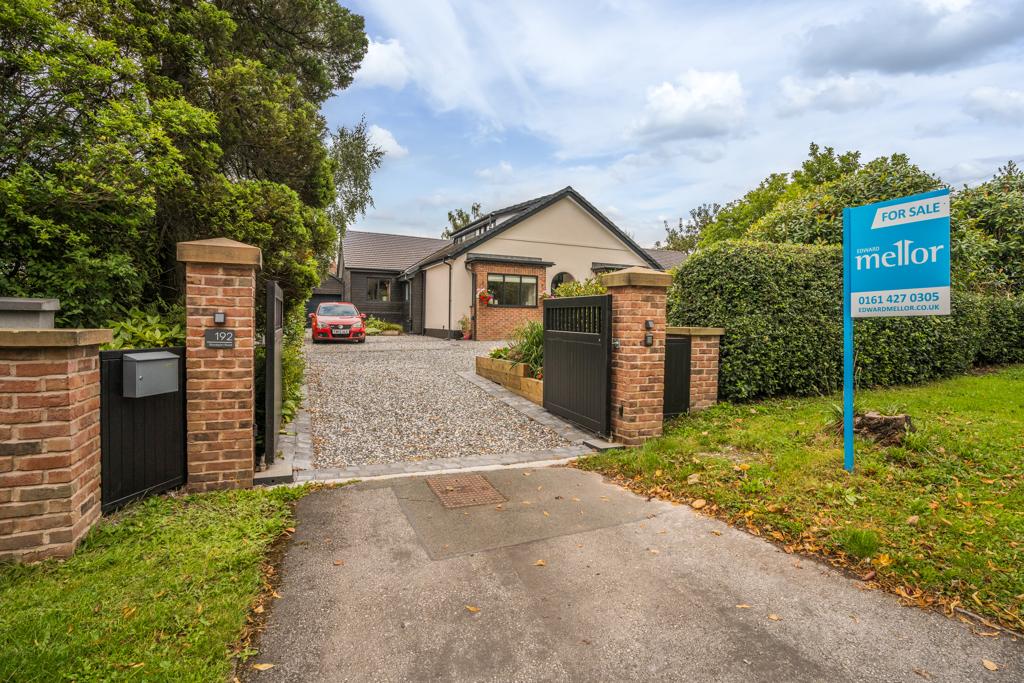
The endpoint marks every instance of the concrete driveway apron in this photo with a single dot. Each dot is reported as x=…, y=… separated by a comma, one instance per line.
x=573, y=578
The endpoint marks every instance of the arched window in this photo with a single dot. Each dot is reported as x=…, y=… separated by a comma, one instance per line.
x=559, y=279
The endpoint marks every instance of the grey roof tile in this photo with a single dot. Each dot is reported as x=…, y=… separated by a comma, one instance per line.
x=382, y=251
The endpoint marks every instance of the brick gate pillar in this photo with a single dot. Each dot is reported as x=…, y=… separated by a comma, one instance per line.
x=639, y=300
x=220, y=281
x=49, y=440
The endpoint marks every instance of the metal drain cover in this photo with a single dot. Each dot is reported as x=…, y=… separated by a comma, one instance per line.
x=464, y=490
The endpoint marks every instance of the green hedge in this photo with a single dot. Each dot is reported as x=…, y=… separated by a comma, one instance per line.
x=781, y=305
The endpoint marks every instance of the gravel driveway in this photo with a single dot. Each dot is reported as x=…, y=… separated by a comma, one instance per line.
x=397, y=399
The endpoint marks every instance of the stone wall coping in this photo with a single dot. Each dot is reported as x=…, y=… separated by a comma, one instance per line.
x=637, y=277
x=695, y=331
x=220, y=250
x=17, y=303
x=48, y=338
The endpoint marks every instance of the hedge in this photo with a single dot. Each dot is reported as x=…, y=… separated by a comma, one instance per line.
x=781, y=306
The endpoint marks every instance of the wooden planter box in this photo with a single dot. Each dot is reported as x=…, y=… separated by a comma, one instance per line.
x=512, y=376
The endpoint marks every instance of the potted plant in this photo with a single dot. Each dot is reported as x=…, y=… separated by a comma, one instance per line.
x=486, y=297
x=467, y=327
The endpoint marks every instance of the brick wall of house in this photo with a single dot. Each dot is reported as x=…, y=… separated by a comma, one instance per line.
x=498, y=322
x=703, y=371
x=49, y=440
x=220, y=382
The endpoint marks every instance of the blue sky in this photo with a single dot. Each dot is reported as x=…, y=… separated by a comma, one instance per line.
x=651, y=108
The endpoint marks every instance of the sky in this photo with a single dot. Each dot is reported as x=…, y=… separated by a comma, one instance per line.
x=650, y=109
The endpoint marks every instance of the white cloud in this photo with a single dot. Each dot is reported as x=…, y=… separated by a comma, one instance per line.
x=385, y=64
x=383, y=138
x=700, y=104
x=502, y=170
x=997, y=105
x=835, y=94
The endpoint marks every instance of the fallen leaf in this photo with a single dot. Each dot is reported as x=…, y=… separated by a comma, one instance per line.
x=693, y=478
x=744, y=466
x=262, y=667
x=777, y=535
x=912, y=520
x=717, y=533
x=698, y=503
x=338, y=563
x=743, y=606
x=575, y=499
x=540, y=563
x=546, y=514
x=471, y=609
x=657, y=473
x=869, y=576
x=275, y=594
x=923, y=673
x=526, y=474
x=653, y=551
x=774, y=617
x=990, y=665
x=258, y=609
x=663, y=531
x=290, y=530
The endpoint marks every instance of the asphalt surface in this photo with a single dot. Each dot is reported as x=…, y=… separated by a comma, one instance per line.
x=576, y=579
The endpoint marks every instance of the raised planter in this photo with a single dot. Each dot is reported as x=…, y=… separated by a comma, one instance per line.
x=512, y=376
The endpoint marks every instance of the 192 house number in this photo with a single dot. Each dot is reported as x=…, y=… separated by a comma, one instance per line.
x=220, y=339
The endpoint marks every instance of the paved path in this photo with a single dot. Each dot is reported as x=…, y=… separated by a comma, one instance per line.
x=378, y=577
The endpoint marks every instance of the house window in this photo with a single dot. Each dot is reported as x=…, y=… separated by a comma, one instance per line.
x=513, y=290
x=559, y=279
x=378, y=289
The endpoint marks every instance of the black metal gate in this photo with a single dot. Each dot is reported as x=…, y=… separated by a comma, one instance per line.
x=273, y=337
x=677, y=375
x=577, y=359
x=142, y=440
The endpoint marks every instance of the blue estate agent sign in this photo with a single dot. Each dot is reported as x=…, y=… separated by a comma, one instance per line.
x=899, y=256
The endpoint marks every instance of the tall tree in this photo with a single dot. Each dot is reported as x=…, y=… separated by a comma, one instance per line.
x=129, y=125
x=686, y=235
x=460, y=218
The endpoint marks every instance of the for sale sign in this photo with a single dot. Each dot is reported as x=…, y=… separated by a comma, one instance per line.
x=897, y=256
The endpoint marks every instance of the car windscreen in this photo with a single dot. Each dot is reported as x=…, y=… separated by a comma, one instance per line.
x=336, y=309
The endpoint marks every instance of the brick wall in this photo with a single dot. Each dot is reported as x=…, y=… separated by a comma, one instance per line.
x=220, y=276
x=638, y=370
x=497, y=322
x=49, y=440
x=703, y=371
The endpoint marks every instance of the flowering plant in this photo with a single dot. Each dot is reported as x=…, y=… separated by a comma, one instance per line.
x=485, y=296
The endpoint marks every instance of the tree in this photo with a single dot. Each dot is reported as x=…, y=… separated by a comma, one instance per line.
x=130, y=125
x=460, y=218
x=686, y=235
x=737, y=217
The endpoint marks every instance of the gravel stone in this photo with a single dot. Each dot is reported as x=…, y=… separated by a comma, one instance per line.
x=396, y=399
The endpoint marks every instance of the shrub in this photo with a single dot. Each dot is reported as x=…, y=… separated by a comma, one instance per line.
x=588, y=287
x=527, y=347
x=378, y=326
x=781, y=306
x=150, y=328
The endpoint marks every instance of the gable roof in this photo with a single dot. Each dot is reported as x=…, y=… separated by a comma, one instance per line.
x=668, y=258
x=382, y=251
x=517, y=213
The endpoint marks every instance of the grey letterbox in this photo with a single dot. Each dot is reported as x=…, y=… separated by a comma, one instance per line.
x=150, y=373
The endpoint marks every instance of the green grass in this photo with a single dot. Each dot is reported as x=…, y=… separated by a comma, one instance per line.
x=940, y=518
x=157, y=592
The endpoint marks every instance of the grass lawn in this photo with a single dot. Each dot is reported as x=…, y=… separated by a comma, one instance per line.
x=937, y=520
x=158, y=591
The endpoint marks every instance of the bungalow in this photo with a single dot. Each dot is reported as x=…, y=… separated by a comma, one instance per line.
x=516, y=254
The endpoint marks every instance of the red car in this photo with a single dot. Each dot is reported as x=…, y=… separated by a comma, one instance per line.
x=338, y=321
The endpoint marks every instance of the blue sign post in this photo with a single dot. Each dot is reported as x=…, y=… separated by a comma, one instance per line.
x=895, y=263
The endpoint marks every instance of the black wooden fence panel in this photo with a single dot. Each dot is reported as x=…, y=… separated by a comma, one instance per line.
x=272, y=394
x=677, y=375
x=142, y=440
x=577, y=360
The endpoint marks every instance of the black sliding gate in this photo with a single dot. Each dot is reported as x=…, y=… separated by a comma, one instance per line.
x=273, y=337
x=142, y=439
x=677, y=375
x=577, y=359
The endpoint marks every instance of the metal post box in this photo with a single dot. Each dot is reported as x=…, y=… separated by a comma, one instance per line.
x=150, y=373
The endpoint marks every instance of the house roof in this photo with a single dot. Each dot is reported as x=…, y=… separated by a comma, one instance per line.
x=382, y=251
x=668, y=258
x=505, y=218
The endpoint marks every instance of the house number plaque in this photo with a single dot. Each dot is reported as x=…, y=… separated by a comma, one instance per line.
x=220, y=339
